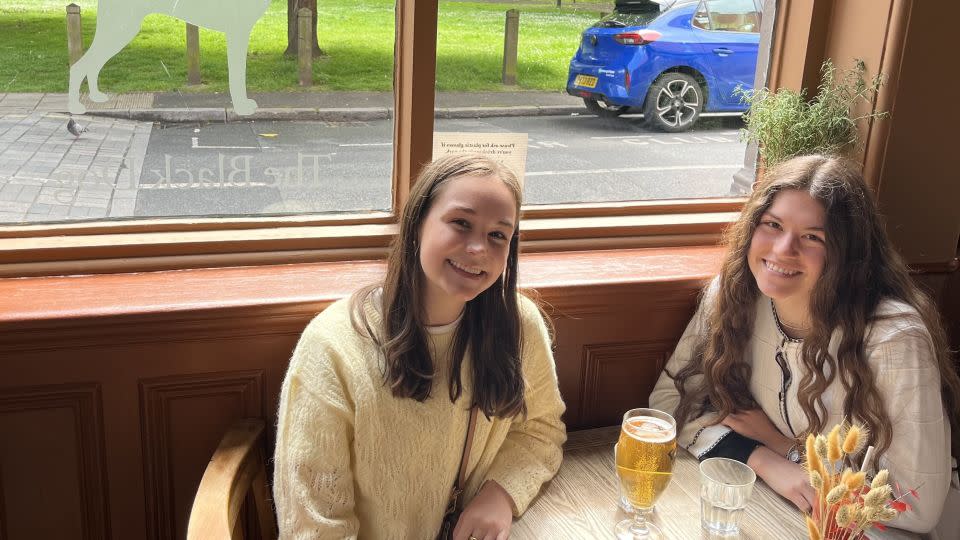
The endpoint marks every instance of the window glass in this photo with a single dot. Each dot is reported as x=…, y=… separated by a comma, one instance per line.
x=701, y=19
x=734, y=15
x=128, y=133
x=633, y=14
x=627, y=104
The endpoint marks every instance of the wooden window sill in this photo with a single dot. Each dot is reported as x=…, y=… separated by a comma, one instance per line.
x=563, y=279
x=160, y=250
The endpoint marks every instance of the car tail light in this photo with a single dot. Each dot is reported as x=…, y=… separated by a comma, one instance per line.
x=626, y=80
x=637, y=37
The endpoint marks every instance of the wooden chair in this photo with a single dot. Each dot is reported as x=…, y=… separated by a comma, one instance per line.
x=236, y=468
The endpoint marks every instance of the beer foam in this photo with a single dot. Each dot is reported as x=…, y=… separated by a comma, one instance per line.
x=649, y=429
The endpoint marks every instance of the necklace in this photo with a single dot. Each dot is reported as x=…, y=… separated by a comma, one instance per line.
x=798, y=328
x=792, y=328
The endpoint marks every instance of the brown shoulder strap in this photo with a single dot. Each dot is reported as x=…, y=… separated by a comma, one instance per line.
x=465, y=455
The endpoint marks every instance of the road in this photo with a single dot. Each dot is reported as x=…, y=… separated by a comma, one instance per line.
x=263, y=167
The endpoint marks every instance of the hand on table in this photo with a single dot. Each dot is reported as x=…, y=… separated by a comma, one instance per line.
x=754, y=423
x=785, y=477
x=488, y=516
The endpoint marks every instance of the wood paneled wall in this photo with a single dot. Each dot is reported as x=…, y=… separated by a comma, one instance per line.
x=108, y=417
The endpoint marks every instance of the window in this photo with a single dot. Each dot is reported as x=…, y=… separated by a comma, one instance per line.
x=648, y=110
x=573, y=198
x=729, y=16
x=158, y=147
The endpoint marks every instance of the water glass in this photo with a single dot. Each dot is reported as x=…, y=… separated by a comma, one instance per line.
x=725, y=487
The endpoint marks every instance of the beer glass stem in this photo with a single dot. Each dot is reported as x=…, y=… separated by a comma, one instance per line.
x=639, y=525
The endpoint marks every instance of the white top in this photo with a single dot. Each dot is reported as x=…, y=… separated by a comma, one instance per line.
x=900, y=353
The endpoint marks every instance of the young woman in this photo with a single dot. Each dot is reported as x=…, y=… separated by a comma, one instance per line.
x=814, y=320
x=376, y=402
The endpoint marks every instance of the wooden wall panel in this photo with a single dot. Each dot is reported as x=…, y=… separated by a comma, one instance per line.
x=607, y=330
x=128, y=354
x=618, y=377
x=920, y=183
x=183, y=418
x=52, y=463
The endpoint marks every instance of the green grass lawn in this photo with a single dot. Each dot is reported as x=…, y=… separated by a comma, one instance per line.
x=357, y=36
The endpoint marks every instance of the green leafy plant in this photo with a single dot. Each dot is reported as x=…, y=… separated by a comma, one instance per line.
x=786, y=124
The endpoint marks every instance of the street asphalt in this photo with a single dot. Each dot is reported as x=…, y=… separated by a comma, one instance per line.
x=176, y=155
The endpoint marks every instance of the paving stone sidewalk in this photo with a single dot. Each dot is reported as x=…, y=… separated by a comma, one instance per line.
x=47, y=174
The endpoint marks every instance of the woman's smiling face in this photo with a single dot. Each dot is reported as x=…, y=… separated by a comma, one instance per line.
x=788, y=249
x=465, y=240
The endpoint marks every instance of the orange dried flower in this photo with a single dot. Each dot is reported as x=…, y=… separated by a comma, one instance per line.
x=853, y=440
x=834, y=452
x=813, y=530
x=855, y=481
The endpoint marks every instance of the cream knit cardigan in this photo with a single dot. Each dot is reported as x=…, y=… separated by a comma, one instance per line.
x=900, y=353
x=353, y=460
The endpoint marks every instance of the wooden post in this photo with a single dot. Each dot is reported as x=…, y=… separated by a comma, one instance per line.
x=305, y=46
x=74, y=33
x=193, y=55
x=511, y=32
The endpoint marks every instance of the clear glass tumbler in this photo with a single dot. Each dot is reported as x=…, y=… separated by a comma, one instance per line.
x=725, y=488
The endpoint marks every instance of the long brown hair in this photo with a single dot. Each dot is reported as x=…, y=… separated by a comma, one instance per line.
x=862, y=269
x=490, y=328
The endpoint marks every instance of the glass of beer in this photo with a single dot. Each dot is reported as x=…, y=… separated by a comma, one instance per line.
x=645, y=454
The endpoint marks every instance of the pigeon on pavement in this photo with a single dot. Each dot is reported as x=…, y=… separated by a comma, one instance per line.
x=74, y=128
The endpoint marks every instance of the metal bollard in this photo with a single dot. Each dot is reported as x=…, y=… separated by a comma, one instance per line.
x=74, y=33
x=193, y=54
x=511, y=32
x=305, y=46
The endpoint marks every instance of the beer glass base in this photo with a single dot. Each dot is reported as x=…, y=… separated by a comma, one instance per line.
x=627, y=530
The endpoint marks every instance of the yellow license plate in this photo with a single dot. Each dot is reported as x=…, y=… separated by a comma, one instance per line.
x=585, y=81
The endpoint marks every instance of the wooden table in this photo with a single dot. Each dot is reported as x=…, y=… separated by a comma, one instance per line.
x=580, y=502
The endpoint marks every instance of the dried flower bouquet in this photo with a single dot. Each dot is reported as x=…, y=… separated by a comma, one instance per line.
x=847, y=507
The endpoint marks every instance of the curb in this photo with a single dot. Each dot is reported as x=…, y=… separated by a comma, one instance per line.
x=173, y=116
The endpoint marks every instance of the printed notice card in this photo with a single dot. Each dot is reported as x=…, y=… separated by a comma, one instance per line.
x=509, y=149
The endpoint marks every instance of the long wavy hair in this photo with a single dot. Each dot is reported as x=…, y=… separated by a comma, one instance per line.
x=490, y=328
x=862, y=268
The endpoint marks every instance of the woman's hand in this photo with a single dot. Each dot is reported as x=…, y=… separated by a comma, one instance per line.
x=754, y=423
x=785, y=477
x=488, y=516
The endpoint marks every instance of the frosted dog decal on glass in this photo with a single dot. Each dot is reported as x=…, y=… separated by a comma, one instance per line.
x=118, y=22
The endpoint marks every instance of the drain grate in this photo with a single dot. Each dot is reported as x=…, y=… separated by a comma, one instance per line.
x=138, y=100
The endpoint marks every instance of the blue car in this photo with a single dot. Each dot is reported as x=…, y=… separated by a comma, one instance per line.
x=672, y=59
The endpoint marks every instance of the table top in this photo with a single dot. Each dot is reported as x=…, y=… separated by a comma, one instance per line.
x=581, y=501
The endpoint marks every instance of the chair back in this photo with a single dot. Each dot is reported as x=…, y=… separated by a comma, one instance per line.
x=236, y=469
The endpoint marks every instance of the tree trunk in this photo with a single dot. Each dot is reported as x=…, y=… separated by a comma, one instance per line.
x=292, y=7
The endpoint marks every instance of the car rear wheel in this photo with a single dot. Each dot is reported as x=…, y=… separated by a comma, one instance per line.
x=603, y=109
x=673, y=103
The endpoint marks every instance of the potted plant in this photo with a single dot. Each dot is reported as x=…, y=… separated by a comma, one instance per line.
x=785, y=123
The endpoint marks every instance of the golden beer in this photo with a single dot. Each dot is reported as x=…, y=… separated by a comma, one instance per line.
x=645, y=455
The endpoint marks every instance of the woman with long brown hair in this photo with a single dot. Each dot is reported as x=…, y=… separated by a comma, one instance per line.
x=814, y=321
x=378, y=414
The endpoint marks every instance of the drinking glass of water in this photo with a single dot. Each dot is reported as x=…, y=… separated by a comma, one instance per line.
x=725, y=487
